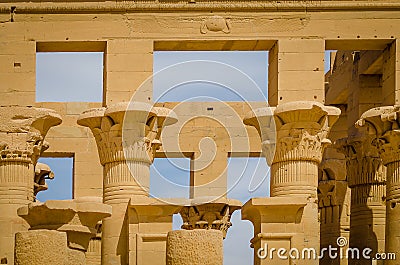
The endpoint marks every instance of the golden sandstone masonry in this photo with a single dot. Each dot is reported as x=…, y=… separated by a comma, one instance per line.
x=331, y=138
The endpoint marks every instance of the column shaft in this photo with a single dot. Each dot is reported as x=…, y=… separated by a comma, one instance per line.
x=301, y=130
x=383, y=121
x=22, y=132
x=127, y=138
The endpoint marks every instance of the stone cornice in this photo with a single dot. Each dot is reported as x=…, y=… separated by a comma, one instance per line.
x=78, y=6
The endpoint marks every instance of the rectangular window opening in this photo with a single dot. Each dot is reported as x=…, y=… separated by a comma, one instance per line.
x=329, y=60
x=248, y=178
x=60, y=185
x=170, y=178
x=203, y=76
x=69, y=76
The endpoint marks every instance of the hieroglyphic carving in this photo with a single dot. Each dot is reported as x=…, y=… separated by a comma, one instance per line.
x=215, y=24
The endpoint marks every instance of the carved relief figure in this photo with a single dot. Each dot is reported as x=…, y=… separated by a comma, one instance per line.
x=215, y=24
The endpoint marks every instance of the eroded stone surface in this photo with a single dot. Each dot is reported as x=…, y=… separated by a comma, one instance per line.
x=41, y=247
x=194, y=247
x=78, y=218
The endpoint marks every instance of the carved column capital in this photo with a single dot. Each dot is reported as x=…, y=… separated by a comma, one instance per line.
x=295, y=130
x=212, y=215
x=294, y=136
x=127, y=132
x=302, y=130
x=22, y=131
x=385, y=124
x=127, y=137
x=363, y=162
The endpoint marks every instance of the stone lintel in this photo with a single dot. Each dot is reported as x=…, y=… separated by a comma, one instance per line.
x=274, y=209
x=147, y=207
x=269, y=236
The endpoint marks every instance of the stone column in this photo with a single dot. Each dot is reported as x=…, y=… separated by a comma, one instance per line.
x=127, y=136
x=205, y=226
x=59, y=231
x=384, y=123
x=367, y=180
x=334, y=206
x=22, y=133
x=301, y=136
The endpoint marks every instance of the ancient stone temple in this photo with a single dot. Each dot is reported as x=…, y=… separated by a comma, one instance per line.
x=331, y=137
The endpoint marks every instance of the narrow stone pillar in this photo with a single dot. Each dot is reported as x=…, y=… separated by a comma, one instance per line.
x=127, y=136
x=301, y=136
x=65, y=225
x=205, y=226
x=334, y=206
x=22, y=133
x=384, y=123
x=367, y=180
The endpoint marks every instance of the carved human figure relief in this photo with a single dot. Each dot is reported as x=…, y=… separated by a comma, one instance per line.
x=215, y=24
